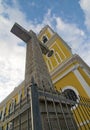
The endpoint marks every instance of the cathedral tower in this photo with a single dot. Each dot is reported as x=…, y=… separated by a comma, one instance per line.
x=69, y=72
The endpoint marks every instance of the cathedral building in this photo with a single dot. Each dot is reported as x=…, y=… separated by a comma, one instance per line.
x=70, y=76
x=68, y=71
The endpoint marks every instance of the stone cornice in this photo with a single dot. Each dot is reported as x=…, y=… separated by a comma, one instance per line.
x=72, y=60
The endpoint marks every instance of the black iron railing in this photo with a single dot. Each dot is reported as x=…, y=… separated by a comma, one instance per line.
x=43, y=109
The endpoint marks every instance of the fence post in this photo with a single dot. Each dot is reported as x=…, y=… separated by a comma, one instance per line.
x=35, y=111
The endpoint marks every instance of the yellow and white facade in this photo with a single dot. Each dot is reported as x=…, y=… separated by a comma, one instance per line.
x=68, y=71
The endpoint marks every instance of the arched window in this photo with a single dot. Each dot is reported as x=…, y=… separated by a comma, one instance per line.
x=15, y=103
x=44, y=39
x=50, y=53
x=3, y=113
x=70, y=94
x=10, y=126
x=11, y=106
x=19, y=96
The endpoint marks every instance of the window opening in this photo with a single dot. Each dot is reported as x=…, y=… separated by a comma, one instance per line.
x=50, y=53
x=70, y=94
x=44, y=39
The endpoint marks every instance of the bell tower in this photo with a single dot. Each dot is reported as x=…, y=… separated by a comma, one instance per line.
x=59, y=48
x=68, y=71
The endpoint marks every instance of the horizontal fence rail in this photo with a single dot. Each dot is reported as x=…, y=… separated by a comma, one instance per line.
x=48, y=110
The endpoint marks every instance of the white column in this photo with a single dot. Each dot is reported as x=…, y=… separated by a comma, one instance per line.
x=82, y=82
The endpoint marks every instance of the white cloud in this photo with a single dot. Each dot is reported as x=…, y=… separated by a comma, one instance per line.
x=75, y=37
x=85, y=6
x=12, y=56
x=70, y=32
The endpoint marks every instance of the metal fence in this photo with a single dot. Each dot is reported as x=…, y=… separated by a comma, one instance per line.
x=57, y=112
x=43, y=109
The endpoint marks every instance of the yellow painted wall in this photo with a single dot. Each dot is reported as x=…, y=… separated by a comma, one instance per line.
x=57, y=58
x=61, y=72
x=16, y=97
x=61, y=54
x=7, y=107
x=85, y=76
x=4, y=127
x=9, y=102
x=63, y=47
x=70, y=80
x=61, y=51
x=47, y=33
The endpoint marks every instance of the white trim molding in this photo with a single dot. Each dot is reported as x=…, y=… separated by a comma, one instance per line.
x=50, y=31
x=82, y=82
x=66, y=72
x=46, y=37
x=49, y=60
x=60, y=50
x=84, y=123
x=86, y=72
x=56, y=58
x=72, y=88
x=56, y=53
x=76, y=92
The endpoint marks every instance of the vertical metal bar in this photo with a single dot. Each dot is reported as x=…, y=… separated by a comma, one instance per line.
x=85, y=113
x=72, y=108
x=28, y=125
x=7, y=127
x=46, y=106
x=13, y=124
x=35, y=111
x=73, y=124
x=87, y=106
x=60, y=104
x=15, y=106
x=79, y=112
x=27, y=95
x=20, y=102
x=69, y=112
x=55, y=110
x=76, y=117
x=19, y=121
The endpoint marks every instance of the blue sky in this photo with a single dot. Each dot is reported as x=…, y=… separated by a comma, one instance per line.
x=68, y=10
x=69, y=18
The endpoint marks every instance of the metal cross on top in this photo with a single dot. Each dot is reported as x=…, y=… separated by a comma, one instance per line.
x=35, y=64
